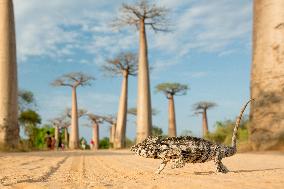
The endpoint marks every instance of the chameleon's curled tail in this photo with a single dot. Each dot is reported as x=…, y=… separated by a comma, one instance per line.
x=238, y=121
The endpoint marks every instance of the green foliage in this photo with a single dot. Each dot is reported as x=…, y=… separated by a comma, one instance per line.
x=28, y=120
x=172, y=88
x=29, y=117
x=104, y=143
x=156, y=131
x=25, y=99
x=40, y=134
x=224, y=130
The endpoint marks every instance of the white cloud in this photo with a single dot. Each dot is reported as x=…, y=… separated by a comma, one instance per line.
x=208, y=26
x=59, y=29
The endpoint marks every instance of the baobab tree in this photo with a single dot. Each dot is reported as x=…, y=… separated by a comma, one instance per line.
x=267, y=81
x=170, y=90
x=124, y=64
x=73, y=80
x=58, y=123
x=112, y=121
x=68, y=115
x=96, y=120
x=201, y=108
x=9, y=127
x=140, y=15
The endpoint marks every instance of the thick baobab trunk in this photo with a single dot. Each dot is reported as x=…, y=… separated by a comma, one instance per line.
x=119, y=140
x=267, y=76
x=204, y=123
x=144, y=114
x=56, y=135
x=96, y=136
x=172, y=117
x=9, y=129
x=74, y=134
x=112, y=136
x=66, y=135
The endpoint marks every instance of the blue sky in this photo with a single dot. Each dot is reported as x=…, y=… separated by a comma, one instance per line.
x=209, y=49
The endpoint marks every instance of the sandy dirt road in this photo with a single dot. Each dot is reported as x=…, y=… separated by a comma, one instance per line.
x=121, y=169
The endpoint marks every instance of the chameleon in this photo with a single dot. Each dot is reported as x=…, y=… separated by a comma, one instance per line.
x=188, y=149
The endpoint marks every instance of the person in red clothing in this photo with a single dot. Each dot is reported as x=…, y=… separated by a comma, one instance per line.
x=92, y=144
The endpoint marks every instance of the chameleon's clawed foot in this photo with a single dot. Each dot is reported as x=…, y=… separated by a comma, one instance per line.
x=161, y=167
x=222, y=169
x=158, y=171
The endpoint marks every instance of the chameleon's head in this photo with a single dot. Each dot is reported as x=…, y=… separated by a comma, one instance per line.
x=148, y=148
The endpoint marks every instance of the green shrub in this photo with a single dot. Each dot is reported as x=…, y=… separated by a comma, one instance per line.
x=104, y=143
x=224, y=130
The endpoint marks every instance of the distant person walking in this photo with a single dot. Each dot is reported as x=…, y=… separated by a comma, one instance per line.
x=92, y=144
x=83, y=144
x=59, y=146
x=53, y=142
x=48, y=140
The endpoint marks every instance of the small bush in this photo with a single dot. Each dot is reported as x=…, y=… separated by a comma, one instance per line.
x=224, y=131
x=104, y=143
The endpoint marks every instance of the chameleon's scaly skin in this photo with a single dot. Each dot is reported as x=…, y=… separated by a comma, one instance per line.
x=187, y=149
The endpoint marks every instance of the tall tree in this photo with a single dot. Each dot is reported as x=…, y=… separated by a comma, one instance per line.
x=171, y=90
x=9, y=129
x=140, y=15
x=112, y=121
x=96, y=120
x=73, y=80
x=267, y=81
x=201, y=108
x=124, y=64
x=68, y=115
x=154, y=130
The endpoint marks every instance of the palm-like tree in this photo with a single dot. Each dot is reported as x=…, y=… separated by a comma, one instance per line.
x=73, y=80
x=140, y=15
x=124, y=64
x=201, y=108
x=267, y=81
x=170, y=90
x=9, y=129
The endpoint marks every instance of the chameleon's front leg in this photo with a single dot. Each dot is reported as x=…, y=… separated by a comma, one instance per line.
x=219, y=165
x=161, y=167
